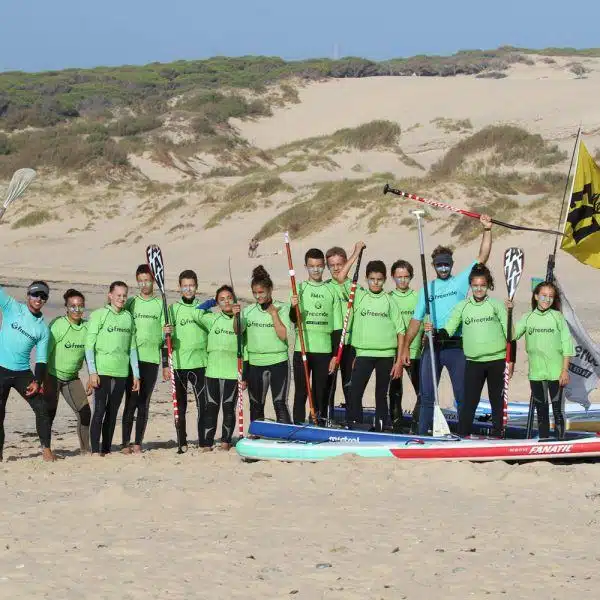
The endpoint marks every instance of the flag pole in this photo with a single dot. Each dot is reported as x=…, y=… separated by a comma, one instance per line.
x=563, y=213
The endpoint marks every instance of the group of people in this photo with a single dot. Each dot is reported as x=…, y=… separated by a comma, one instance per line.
x=123, y=346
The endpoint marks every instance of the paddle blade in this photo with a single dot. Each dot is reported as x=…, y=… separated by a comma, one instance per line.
x=20, y=181
x=514, y=263
x=156, y=265
x=440, y=425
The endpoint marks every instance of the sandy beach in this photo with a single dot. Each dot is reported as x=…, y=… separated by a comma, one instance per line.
x=207, y=525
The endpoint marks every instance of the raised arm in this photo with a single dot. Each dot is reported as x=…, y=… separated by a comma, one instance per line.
x=486, y=240
x=343, y=274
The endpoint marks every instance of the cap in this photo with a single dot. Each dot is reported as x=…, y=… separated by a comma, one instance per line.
x=443, y=259
x=38, y=287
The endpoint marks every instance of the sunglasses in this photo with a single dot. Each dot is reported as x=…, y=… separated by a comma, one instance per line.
x=76, y=309
x=39, y=296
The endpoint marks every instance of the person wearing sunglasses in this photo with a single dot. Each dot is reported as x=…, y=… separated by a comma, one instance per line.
x=189, y=339
x=445, y=292
x=221, y=369
x=549, y=347
x=66, y=353
x=336, y=259
x=405, y=299
x=266, y=324
x=150, y=327
x=320, y=308
x=378, y=337
x=483, y=321
x=23, y=329
x=110, y=351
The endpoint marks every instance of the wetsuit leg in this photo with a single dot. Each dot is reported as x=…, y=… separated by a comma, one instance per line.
x=383, y=366
x=148, y=377
x=427, y=394
x=495, y=384
x=229, y=398
x=454, y=360
x=396, y=393
x=131, y=403
x=475, y=375
x=20, y=382
x=198, y=380
x=115, y=391
x=539, y=391
x=51, y=394
x=258, y=384
x=75, y=396
x=319, y=366
x=363, y=367
x=300, y=392
x=214, y=395
x=414, y=372
x=279, y=380
x=557, y=400
x=181, y=382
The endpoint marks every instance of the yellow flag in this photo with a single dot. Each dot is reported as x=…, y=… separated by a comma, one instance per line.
x=582, y=227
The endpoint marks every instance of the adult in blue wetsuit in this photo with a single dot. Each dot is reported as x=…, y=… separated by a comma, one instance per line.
x=22, y=329
x=445, y=292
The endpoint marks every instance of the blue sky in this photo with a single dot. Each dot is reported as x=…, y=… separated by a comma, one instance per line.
x=54, y=34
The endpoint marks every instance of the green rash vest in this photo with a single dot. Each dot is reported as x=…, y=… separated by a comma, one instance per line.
x=264, y=347
x=149, y=319
x=66, y=348
x=406, y=302
x=321, y=315
x=376, y=323
x=483, y=328
x=189, y=337
x=547, y=341
x=343, y=292
x=111, y=342
x=222, y=346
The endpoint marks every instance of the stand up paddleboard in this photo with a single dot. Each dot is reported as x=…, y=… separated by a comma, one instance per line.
x=472, y=450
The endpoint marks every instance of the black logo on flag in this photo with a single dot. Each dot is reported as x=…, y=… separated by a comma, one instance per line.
x=585, y=205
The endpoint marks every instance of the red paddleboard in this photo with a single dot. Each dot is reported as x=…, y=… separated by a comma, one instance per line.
x=484, y=450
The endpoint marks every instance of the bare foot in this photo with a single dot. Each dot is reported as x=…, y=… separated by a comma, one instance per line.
x=137, y=449
x=97, y=454
x=48, y=455
x=206, y=449
x=126, y=450
x=225, y=446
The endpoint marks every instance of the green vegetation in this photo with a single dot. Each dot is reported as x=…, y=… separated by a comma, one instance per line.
x=449, y=125
x=48, y=98
x=332, y=201
x=33, y=218
x=159, y=215
x=509, y=145
x=242, y=197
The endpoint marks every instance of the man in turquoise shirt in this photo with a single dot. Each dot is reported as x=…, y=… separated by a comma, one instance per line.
x=23, y=329
x=445, y=292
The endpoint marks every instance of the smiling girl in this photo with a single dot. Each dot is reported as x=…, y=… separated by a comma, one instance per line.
x=549, y=348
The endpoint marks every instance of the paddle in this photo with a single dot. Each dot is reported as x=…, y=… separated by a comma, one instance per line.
x=514, y=261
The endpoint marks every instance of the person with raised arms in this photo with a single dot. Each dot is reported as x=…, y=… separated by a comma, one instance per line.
x=266, y=324
x=221, y=369
x=110, y=350
x=445, y=292
x=66, y=353
x=189, y=339
x=336, y=258
x=405, y=299
x=22, y=330
x=378, y=338
x=483, y=321
x=319, y=304
x=150, y=327
x=549, y=347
